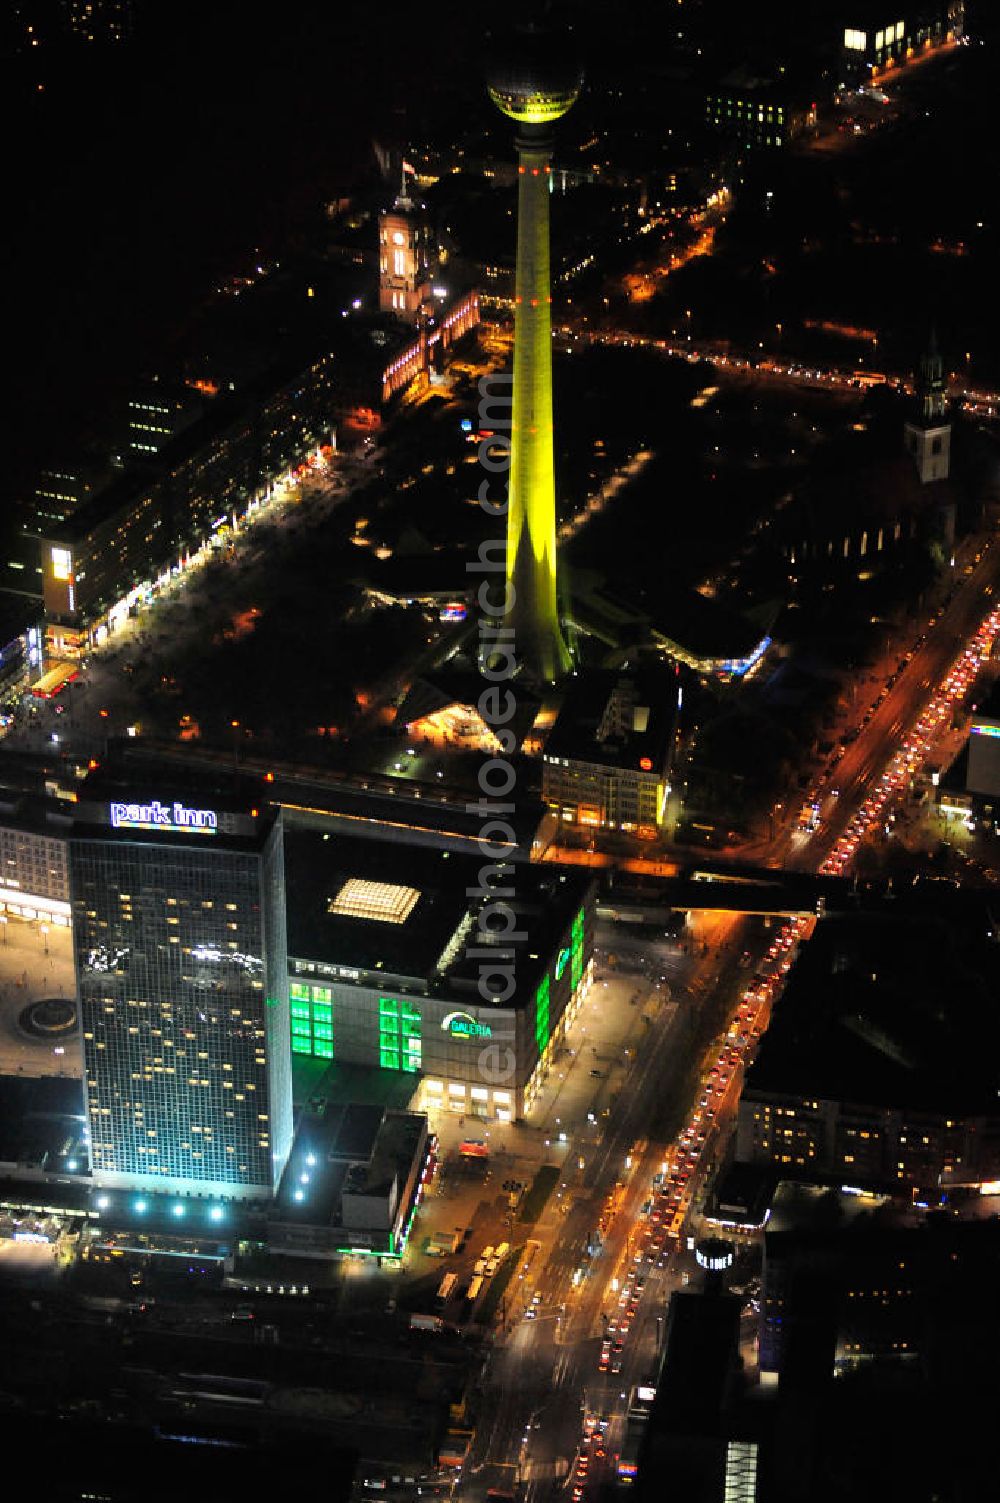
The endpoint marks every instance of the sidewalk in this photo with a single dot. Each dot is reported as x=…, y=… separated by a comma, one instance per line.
x=35, y=965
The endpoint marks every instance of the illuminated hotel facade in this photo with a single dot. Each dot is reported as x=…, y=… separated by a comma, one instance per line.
x=179, y=944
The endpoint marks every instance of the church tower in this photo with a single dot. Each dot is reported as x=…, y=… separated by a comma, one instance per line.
x=404, y=258
x=927, y=435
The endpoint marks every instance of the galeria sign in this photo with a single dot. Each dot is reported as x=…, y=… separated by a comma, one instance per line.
x=462, y=1025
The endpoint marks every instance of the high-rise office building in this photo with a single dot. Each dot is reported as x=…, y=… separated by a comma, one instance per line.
x=157, y=411
x=534, y=88
x=179, y=936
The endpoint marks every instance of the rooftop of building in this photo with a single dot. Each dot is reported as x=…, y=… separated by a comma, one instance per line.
x=318, y=1085
x=126, y=489
x=459, y=683
x=35, y=814
x=891, y=1008
x=746, y=79
x=864, y=483
x=403, y=910
x=706, y=631
x=618, y=719
x=169, y=812
x=377, y=806
x=988, y=704
x=847, y=1228
x=42, y=1123
x=694, y=1388
x=353, y=1117
x=17, y=614
x=27, y=774
x=807, y=1210
x=741, y=1195
x=351, y=1149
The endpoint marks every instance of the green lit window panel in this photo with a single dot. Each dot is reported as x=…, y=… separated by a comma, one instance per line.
x=300, y=1010
x=576, y=974
x=578, y=927
x=414, y=1049
x=388, y=1006
x=298, y=991
x=389, y=1037
x=409, y=1011
x=300, y=1030
x=322, y=1031
x=301, y=1046
x=322, y=994
x=389, y=1059
x=322, y=1012
x=542, y=1015
x=323, y=1050
x=410, y=1030
x=411, y=1066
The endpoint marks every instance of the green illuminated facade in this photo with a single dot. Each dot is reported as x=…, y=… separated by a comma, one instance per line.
x=532, y=613
x=577, y=950
x=572, y=955
x=312, y=1020
x=399, y=1043
x=311, y=1010
x=542, y=1028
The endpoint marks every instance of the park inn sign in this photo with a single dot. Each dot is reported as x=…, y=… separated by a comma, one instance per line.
x=157, y=816
x=462, y=1025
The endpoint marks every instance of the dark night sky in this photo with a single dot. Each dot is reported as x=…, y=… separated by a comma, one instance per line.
x=140, y=174
x=144, y=172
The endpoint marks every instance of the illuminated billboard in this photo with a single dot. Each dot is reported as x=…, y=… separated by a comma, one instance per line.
x=157, y=816
x=462, y=1025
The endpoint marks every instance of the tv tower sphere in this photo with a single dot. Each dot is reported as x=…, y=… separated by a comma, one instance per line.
x=537, y=82
x=534, y=84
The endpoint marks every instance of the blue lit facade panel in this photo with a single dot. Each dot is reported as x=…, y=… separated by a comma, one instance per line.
x=276, y=1017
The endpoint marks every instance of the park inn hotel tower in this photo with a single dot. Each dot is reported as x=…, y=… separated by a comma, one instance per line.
x=179, y=937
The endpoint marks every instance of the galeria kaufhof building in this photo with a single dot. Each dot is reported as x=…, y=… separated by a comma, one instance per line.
x=386, y=960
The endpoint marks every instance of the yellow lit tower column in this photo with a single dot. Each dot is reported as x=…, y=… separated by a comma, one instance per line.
x=535, y=89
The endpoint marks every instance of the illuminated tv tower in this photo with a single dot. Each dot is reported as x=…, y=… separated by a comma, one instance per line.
x=535, y=87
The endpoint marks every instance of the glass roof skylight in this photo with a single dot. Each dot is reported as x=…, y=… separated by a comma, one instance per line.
x=385, y=902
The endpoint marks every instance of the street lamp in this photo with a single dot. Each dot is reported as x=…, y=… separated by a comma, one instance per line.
x=45, y=936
